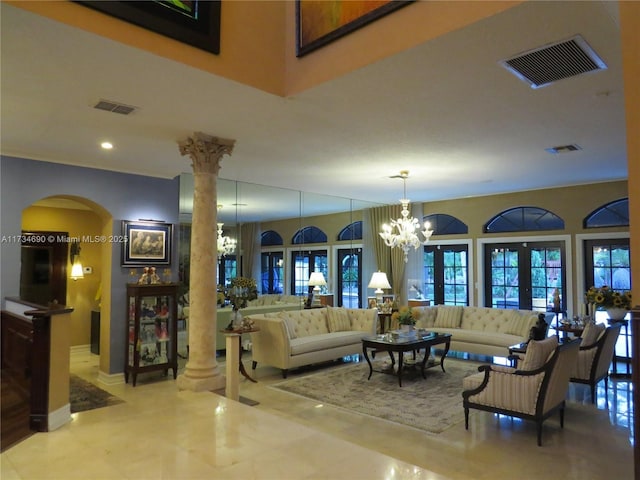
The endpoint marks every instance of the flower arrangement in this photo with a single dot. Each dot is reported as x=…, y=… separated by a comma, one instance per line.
x=241, y=291
x=405, y=316
x=605, y=297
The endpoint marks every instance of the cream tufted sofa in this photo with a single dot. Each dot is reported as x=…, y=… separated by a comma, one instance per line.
x=289, y=302
x=479, y=330
x=291, y=339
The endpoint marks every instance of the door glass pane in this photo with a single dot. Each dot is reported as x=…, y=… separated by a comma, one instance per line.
x=349, y=278
x=429, y=275
x=301, y=274
x=505, y=289
x=546, y=277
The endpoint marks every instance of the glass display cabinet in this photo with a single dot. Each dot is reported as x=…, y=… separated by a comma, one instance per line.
x=152, y=330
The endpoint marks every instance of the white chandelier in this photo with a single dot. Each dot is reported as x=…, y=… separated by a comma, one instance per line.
x=226, y=245
x=407, y=226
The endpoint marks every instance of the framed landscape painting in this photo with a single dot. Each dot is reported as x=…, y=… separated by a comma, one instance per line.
x=319, y=22
x=147, y=243
x=195, y=22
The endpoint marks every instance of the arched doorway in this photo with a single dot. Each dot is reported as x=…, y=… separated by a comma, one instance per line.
x=89, y=226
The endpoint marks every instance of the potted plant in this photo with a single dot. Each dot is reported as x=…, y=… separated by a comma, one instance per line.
x=406, y=317
x=605, y=298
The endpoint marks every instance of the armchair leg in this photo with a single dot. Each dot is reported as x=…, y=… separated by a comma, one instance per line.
x=284, y=372
x=539, y=429
x=254, y=364
x=593, y=392
x=562, y=415
x=466, y=418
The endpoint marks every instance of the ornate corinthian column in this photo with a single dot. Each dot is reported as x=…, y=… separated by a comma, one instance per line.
x=202, y=372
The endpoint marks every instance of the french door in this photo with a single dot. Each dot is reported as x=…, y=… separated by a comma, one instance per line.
x=302, y=264
x=272, y=270
x=525, y=275
x=608, y=262
x=349, y=275
x=446, y=273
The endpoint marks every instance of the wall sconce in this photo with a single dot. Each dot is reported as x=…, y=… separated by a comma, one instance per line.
x=74, y=257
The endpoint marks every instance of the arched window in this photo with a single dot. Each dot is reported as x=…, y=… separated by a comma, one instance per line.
x=309, y=235
x=613, y=214
x=270, y=238
x=524, y=219
x=443, y=224
x=351, y=232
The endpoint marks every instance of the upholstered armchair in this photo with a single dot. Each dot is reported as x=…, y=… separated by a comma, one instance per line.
x=595, y=355
x=533, y=391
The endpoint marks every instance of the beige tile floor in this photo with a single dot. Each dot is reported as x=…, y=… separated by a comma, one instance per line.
x=160, y=433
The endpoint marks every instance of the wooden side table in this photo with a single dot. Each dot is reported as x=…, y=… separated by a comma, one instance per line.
x=385, y=321
x=238, y=334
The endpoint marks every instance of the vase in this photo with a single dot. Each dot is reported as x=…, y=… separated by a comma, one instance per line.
x=616, y=314
x=406, y=328
x=236, y=317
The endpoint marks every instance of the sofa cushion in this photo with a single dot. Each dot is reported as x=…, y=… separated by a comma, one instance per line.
x=425, y=316
x=592, y=333
x=325, y=341
x=338, y=319
x=448, y=316
x=460, y=335
x=520, y=324
x=538, y=352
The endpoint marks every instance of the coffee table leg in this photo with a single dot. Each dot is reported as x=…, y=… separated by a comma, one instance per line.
x=366, y=356
x=400, y=358
x=425, y=359
x=393, y=359
x=444, y=354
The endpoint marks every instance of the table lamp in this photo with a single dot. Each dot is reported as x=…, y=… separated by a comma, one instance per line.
x=316, y=280
x=379, y=281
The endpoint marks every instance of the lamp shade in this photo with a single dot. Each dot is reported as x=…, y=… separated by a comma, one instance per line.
x=317, y=280
x=379, y=281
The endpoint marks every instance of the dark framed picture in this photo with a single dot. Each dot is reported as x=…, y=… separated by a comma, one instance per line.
x=318, y=23
x=147, y=243
x=196, y=22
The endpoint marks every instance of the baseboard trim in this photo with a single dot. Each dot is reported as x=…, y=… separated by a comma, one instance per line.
x=110, y=379
x=59, y=418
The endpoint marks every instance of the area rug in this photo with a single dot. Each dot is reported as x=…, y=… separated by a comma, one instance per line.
x=432, y=405
x=85, y=396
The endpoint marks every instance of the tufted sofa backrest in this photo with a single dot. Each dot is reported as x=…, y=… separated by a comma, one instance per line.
x=303, y=323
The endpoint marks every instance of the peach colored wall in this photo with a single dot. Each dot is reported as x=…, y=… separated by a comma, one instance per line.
x=251, y=40
x=402, y=29
x=630, y=22
x=258, y=41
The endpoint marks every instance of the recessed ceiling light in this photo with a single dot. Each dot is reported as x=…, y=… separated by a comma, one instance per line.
x=106, y=145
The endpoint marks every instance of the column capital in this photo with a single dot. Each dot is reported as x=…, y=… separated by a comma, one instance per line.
x=206, y=151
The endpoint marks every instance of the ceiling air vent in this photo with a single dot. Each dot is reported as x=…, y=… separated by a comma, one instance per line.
x=114, y=107
x=563, y=149
x=542, y=66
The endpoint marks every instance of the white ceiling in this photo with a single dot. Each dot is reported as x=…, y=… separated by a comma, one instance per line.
x=445, y=110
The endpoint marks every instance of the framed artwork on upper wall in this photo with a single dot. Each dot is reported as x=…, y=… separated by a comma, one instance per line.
x=319, y=22
x=195, y=22
x=146, y=243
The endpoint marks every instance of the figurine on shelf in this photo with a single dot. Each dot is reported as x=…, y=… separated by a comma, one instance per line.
x=149, y=276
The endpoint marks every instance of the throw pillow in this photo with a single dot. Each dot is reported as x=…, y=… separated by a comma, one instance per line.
x=448, y=316
x=591, y=334
x=338, y=319
x=538, y=351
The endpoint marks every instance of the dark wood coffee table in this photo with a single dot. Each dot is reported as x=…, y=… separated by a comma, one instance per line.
x=406, y=344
